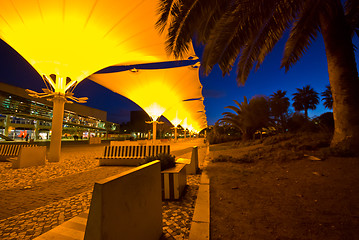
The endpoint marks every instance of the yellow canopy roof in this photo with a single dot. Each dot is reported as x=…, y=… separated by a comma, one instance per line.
x=77, y=38
x=188, y=113
x=159, y=91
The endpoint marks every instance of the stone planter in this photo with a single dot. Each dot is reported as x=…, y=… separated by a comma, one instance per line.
x=173, y=182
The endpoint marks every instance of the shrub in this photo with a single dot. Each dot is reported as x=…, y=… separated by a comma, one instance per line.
x=167, y=160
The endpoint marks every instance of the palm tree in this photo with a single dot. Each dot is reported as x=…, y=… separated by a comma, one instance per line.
x=279, y=105
x=250, y=29
x=248, y=117
x=236, y=119
x=304, y=99
x=327, y=98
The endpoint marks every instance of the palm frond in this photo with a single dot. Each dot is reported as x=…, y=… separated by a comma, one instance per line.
x=265, y=34
x=327, y=97
x=213, y=13
x=232, y=120
x=185, y=25
x=224, y=43
x=235, y=109
x=303, y=32
x=352, y=15
x=164, y=10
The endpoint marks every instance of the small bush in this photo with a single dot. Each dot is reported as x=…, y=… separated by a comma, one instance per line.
x=277, y=138
x=167, y=160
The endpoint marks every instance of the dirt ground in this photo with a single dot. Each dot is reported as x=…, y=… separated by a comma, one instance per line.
x=298, y=199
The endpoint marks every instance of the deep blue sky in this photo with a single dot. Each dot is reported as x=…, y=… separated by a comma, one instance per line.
x=218, y=91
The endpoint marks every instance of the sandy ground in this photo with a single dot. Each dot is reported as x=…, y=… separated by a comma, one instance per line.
x=299, y=199
x=74, y=159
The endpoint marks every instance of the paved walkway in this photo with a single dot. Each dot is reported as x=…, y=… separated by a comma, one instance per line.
x=28, y=210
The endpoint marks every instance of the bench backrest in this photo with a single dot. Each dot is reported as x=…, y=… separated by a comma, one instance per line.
x=135, y=151
x=154, y=150
x=12, y=149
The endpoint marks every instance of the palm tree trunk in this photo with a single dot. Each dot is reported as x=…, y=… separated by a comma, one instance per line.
x=306, y=113
x=343, y=77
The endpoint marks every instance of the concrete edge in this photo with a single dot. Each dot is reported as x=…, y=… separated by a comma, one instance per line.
x=200, y=226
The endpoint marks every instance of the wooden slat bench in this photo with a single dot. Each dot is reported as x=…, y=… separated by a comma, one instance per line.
x=12, y=150
x=23, y=155
x=130, y=155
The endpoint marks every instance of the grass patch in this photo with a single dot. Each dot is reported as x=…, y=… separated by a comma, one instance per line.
x=227, y=158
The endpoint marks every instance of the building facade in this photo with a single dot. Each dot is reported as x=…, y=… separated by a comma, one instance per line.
x=24, y=117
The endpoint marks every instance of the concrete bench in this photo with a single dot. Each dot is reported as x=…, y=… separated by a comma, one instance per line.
x=29, y=156
x=173, y=182
x=12, y=150
x=130, y=155
x=127, y=206
x=191, y=164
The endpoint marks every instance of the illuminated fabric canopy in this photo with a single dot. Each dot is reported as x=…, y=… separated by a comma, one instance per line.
x=192, y=111
x=77, y=38
x=66, y=41
x=158, y=91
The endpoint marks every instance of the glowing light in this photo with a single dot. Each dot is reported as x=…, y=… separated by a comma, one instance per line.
x=163, y=88
x=154, y=111
x=176, y=121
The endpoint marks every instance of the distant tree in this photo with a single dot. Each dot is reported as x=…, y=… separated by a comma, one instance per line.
x=327, y=98
x=249, y=116
x=304, y=99
x=243, y=32
x=279, y=105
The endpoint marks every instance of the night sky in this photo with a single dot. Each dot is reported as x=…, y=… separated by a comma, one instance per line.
x=218, y=91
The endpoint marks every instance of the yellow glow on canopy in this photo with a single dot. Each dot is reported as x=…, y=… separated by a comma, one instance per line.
x=192, y=111
x=77, y=38
x=164, y=87
x=176, y=121
x=154, y=111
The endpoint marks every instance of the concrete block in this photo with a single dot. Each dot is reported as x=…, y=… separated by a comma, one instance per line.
x=127, y=206
x=30, y=156
x=200, y=227
x=204, y=179
x=174, y=181
x=193, y=167
x=202, y=209
x=199, y=231
x=192, y=164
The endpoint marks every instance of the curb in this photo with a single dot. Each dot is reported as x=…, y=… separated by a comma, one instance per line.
x=200, y=227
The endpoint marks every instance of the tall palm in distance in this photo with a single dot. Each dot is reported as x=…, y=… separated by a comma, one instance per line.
x=305, y=98
x=250, y=29
x=279, y=105
x=327, y=98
